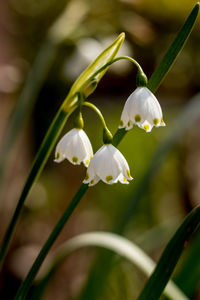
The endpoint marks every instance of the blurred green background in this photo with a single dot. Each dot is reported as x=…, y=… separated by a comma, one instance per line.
x=80, y=30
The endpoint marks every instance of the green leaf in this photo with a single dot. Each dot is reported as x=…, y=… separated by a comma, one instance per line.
x=173, y=51
x=158, y=280
x=92, y=290
x=54, y=131
x=191, y=267
x=110, y=241
x=105, y=57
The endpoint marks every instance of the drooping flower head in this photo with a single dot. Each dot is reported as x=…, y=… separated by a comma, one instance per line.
x=74, y=146
x=142, y=109
x=108, y=165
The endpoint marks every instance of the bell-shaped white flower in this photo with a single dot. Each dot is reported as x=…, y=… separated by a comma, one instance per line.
x=74, y=146
x=108, y=165
x=143, y=109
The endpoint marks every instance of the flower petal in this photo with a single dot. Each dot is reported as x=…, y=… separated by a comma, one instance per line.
x=60, y=153
x=146, y=126
x=124, y=167
x=123, y=179
x=106, y=167
x=125, y=119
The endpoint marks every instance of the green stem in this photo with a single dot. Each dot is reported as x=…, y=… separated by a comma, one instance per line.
x=24, y=288
x=140, y=70
x=174, y=50
x=98, y=112
x=107, y=135
x=41, y=158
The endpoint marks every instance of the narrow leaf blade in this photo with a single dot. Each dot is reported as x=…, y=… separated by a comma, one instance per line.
x=191, y=265
x=105, y=57
x=173, y=51
x=161, y=275
x=112, y=242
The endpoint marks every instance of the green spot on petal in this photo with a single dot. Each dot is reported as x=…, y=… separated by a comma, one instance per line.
x=129, y=124
x=92, y=181
x=75, y=159
x=109, y=178
x=87, y=162
x=57, y=155
x=155, y=121
x=162, y=121
x=87, y=176
x=128, y=173
x=121, y=123
x=137, y=118
x=146, y=127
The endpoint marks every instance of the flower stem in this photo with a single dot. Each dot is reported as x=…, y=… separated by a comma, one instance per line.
x=98, y=112
x=40, y=160
x=107, y=136
x=140, y=70
x=24, y=288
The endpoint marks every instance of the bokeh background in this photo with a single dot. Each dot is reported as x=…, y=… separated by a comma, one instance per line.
x=69, y=35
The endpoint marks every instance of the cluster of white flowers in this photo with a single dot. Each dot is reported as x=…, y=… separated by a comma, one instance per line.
x=108, y=164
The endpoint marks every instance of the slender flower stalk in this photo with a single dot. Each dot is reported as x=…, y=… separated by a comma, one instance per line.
x=97, y=111
x=141, y=79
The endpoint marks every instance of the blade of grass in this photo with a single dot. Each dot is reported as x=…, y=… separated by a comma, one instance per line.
x=158, y=280
x=173, y=51
x=117, y=138
x=113, y=242
x=191, y=266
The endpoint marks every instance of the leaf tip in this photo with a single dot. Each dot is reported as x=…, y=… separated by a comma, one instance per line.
x=121, y=36
x=197, y=5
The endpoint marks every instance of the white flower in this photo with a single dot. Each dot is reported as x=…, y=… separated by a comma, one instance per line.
x=143, y=109
x=74, y=146
x=109, y=165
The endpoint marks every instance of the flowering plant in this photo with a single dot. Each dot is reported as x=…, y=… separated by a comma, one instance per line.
x=108, y=163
